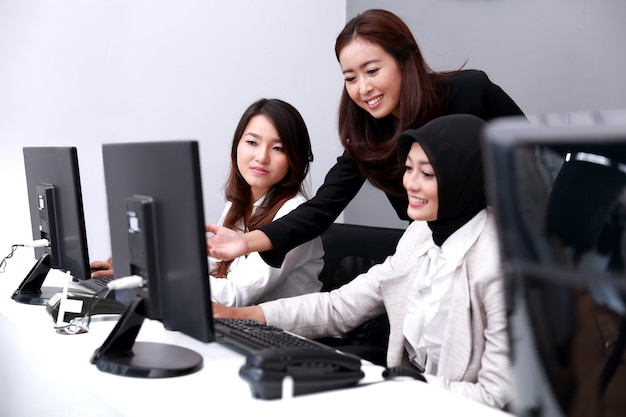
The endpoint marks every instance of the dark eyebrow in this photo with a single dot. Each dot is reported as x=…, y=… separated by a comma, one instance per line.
x=363, y=65
x=254, y=135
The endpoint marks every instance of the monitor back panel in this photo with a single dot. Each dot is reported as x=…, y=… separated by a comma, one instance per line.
x=58, y=166
x=169, y=173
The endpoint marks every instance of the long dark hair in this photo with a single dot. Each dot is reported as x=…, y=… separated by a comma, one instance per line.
x=296, y=143
x=369, y=141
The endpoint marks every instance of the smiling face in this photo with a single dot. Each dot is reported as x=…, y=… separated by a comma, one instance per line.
x=260, y=156
x=372, y=77
x=420, y=183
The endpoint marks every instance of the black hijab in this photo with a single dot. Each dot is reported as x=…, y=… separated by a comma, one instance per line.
x=453, y=146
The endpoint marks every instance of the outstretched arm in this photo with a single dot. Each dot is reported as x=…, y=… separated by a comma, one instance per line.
x=311, y=219
x=226, y=244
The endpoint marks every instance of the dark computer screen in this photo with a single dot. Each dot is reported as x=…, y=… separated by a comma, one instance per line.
x=56, y=212
x=559, y=195
x=156, y=220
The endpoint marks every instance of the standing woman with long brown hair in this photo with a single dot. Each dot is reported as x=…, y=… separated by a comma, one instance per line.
x=388, y=88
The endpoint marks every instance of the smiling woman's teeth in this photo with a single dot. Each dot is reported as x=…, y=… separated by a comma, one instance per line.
x=374, y=101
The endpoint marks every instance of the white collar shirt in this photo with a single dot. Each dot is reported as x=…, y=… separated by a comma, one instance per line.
x=429, y=300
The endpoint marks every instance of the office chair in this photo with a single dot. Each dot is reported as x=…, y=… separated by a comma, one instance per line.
x=349, y=251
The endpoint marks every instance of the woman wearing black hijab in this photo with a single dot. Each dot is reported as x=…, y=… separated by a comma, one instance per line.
x=442, y=289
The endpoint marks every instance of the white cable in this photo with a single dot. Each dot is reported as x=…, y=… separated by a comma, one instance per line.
x=133, y=281
x=39, y=243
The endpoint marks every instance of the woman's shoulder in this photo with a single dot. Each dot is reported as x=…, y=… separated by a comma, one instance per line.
x=416, y=236
x=488, y=228
x=290, y=204
x=488, y=243
x=471, y=91
x=465, y=80
x=227, y=207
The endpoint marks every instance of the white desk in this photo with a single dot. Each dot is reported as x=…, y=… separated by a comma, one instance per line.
x=46, y=373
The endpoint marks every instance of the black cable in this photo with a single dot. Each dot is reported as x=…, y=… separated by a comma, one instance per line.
x=34, y=244
x=3, y=263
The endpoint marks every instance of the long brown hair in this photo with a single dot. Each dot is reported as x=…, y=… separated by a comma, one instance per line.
x=296, y=143
x=369, y=141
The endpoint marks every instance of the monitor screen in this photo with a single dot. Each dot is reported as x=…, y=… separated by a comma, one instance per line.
x=156, y=220
x=559, y=195
x=56, y=212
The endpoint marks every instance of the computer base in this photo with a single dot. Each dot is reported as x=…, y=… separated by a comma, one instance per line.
x=151, y=360
x=40, y=298
x=30, y=291
x=120, y=354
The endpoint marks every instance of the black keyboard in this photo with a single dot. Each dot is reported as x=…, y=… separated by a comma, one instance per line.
x=249, y=336
x=95, y=284
x=273, y=353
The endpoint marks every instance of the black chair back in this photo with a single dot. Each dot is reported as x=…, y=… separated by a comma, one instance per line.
x=349, y=251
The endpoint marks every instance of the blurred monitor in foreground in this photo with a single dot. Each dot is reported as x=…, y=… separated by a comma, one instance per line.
x=559, y=193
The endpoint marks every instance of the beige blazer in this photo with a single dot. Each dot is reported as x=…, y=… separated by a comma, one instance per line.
x=474, y=357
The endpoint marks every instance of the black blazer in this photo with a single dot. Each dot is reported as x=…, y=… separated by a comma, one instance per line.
x=468, y=91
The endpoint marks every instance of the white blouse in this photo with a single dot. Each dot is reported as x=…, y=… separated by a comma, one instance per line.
x=251, y=281
x=429, y=301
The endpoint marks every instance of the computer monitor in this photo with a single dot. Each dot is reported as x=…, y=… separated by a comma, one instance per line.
x=56, y=212
x=156, y=220
x=559, y=196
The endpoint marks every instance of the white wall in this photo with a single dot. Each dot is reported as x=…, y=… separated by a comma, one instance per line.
x=552, y=56
x=89, y=72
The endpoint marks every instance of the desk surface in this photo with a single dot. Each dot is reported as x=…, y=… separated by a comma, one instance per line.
x=46, y=373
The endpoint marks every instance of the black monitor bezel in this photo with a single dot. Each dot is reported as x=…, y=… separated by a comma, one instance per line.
x=58, y=166
x=161, y=170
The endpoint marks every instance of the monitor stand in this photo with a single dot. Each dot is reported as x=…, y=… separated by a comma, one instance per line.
x=120, y=354
x=30, y=291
